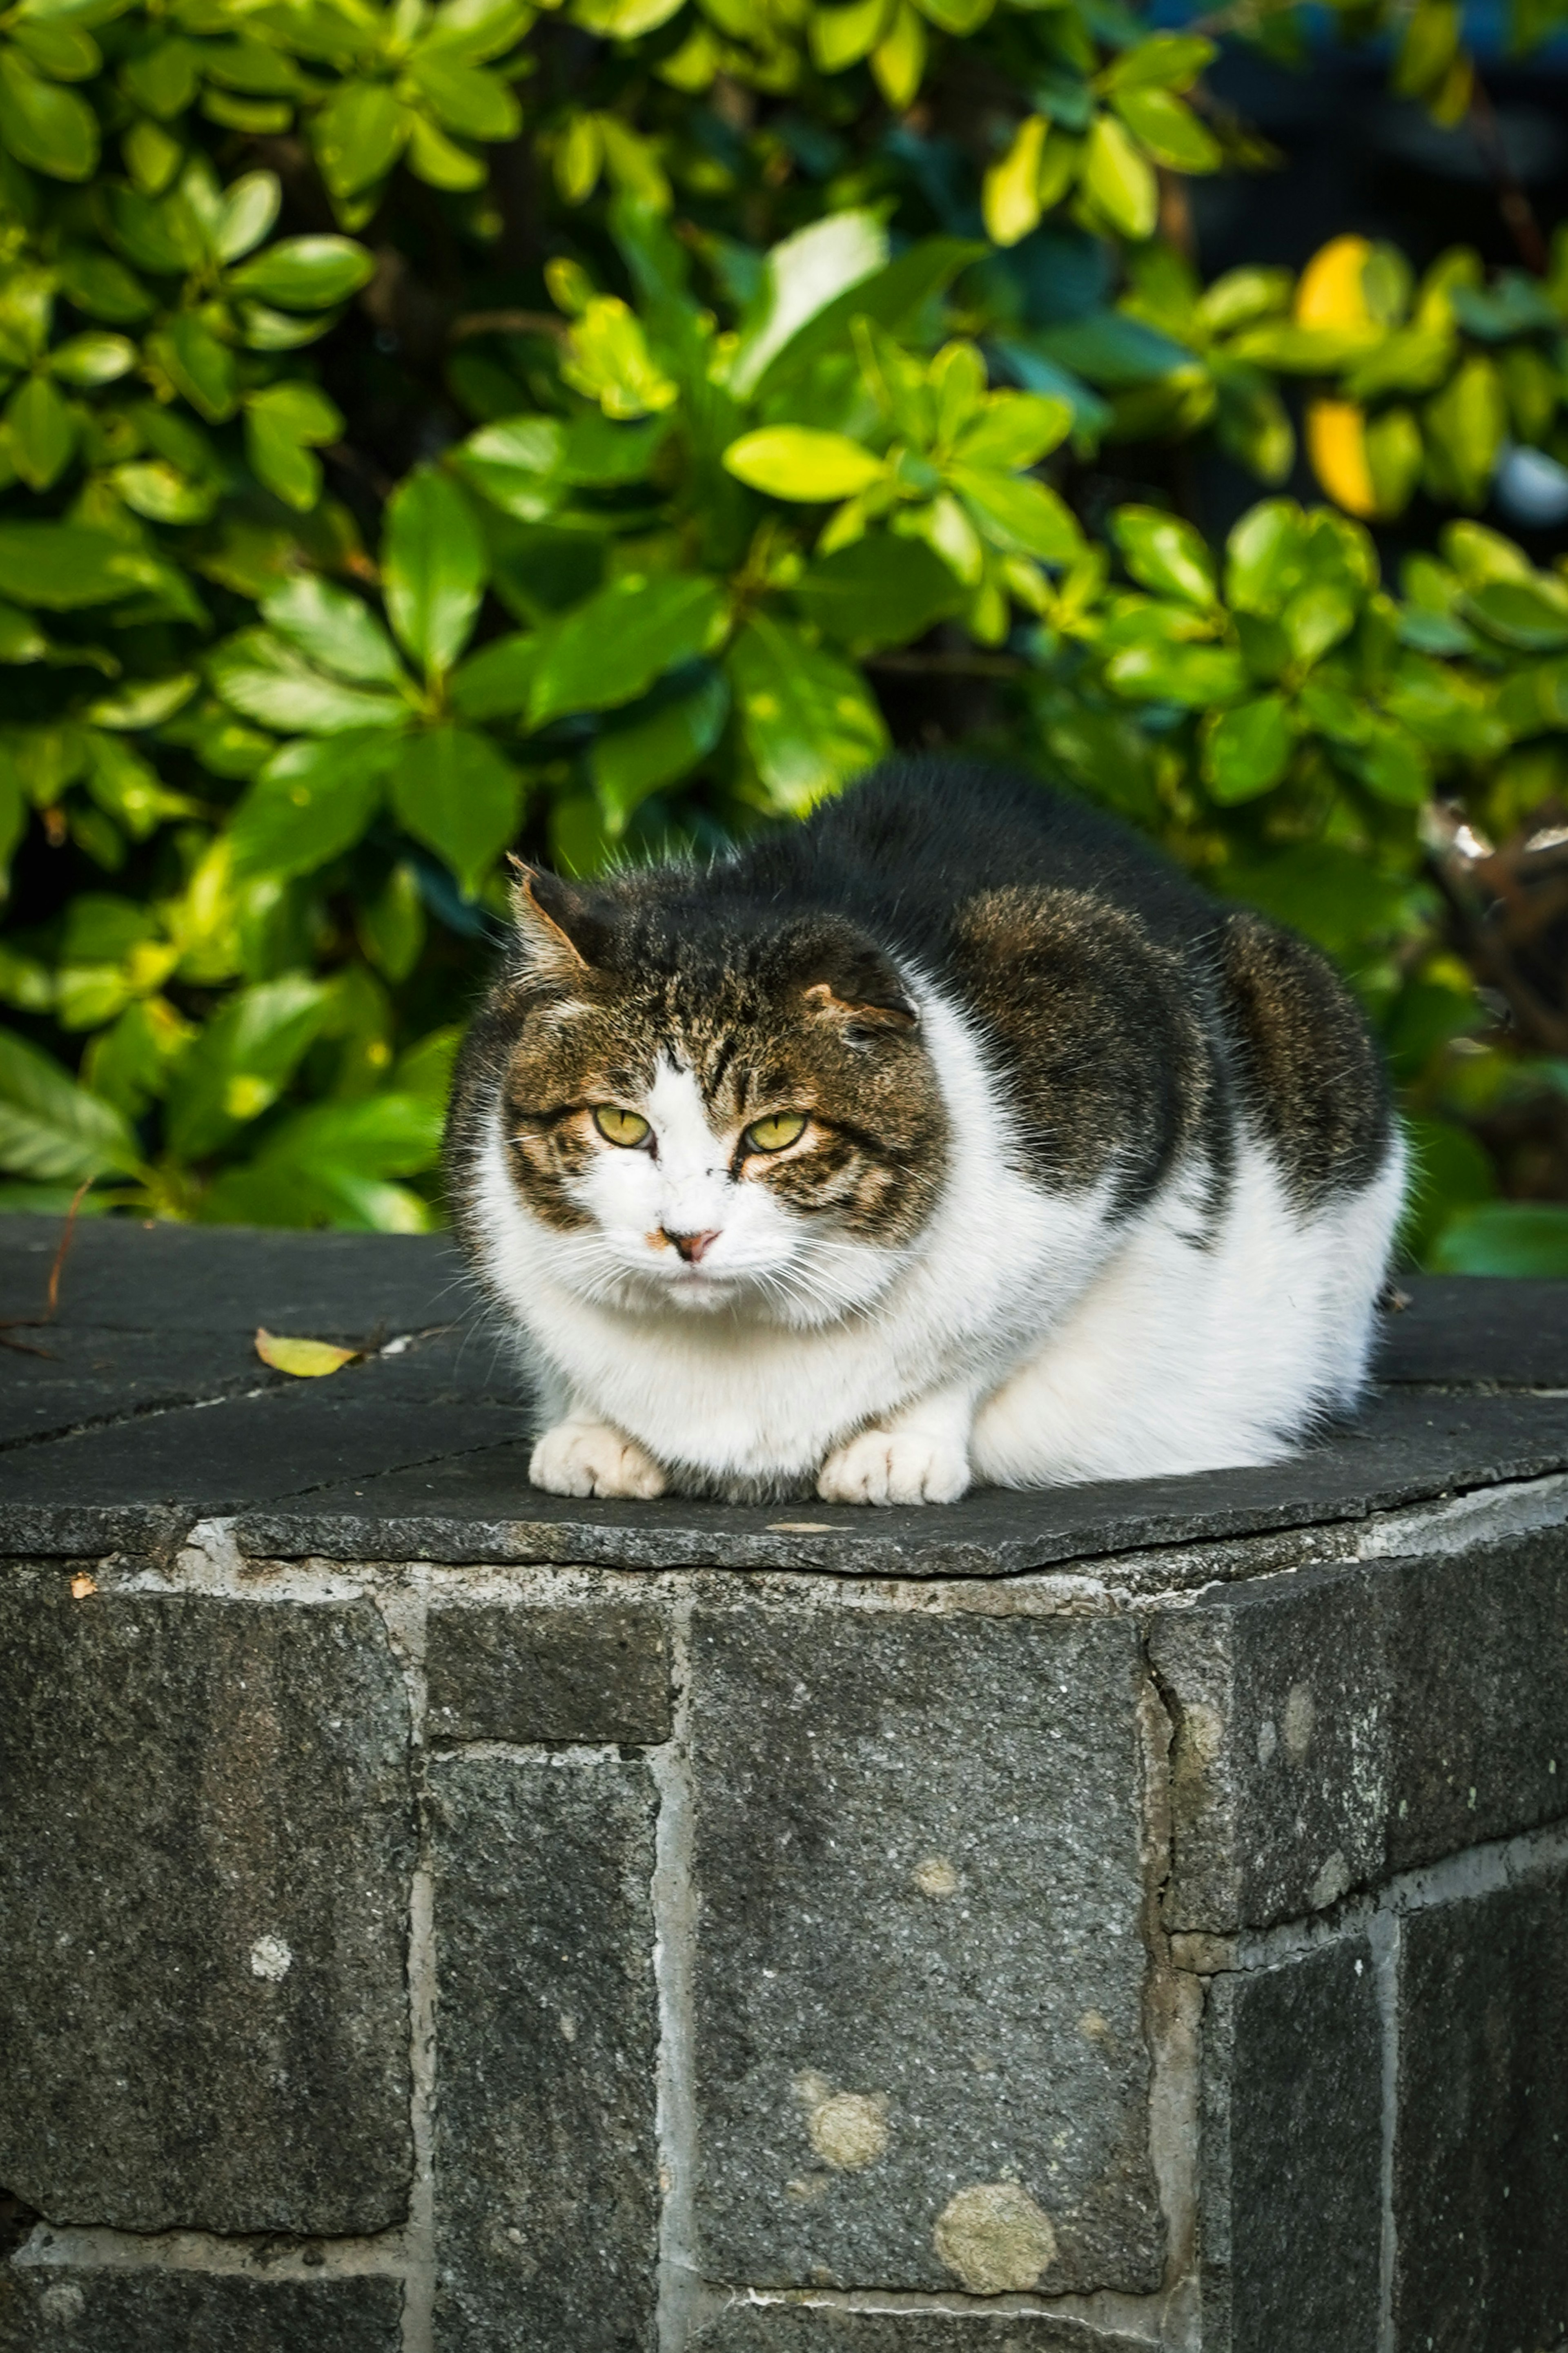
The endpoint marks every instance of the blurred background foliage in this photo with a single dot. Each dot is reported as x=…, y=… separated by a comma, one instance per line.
x=432, y=430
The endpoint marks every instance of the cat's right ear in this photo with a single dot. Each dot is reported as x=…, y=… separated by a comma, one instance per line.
x=560, y=939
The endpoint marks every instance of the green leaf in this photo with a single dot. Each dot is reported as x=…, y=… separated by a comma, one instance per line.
x=1510, y=1238
x=515, y=465
x=656, y=747
x=50, y=1127
x=336, y=629
x=890, y=299
x=62, y=565
x=434, y=568
x=476, y=104
x=41, y=432
x=453, y=791
x=311, y=801
x=1465, y=425
x=305, y=273
x=800, y=278
x=241, y=1062
x=1017, y=515
x=359, y=135
x=1169, y=128
x=1247, y=750
x=281, y=423
x=1120, y=180
x=809, y=722
x=1165, y=554
x=102, y=286
x=1531, y=614
x=202, y=368
x=796, y=462
x=158, y=491
x=878, y=592
x=267, y=679
x=1200, y=677
x=391, y=927
x=249, y=208
x=651, y=625
x=50, y=128
x=1015, y=428
x=1165, y=61
x=495, y=683
x=1391, y=764
x=92, y=360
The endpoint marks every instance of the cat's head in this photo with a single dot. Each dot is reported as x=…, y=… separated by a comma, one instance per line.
x=702, y=1109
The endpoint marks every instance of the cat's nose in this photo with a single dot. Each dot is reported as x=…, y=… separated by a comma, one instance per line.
x=692, y=1247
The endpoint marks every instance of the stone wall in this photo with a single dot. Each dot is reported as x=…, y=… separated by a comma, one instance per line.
x=1171, y=1952
x=435, y=1919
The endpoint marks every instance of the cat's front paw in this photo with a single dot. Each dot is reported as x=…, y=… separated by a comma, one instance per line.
x=894, y=1466
x=594, y=1458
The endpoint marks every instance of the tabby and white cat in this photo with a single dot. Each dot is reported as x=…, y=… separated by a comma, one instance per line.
x=950, y=1136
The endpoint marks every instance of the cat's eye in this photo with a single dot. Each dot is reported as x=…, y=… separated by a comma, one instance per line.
x=776, y=1132
x=619, y=1126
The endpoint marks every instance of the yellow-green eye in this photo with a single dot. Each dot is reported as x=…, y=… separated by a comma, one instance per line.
x=776, y=1132
x=618, y=1127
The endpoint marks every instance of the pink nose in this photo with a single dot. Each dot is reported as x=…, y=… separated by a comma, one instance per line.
x=693, y=1248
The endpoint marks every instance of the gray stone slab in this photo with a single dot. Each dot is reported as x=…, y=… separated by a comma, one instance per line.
x=919, y=1976
x=1292, y=2142
x=1408, y=1448
x=546, y=2169
x=48, y=2310
x=1332, y=1726
x=1461, y=1329
x=824, y=2328
x=120, y=1274
x=510, y=1671
x=203, y=1913
x=1481, y=2153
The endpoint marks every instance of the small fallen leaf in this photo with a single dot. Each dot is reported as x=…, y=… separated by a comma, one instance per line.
x=82, y=1584
x=306, y=1359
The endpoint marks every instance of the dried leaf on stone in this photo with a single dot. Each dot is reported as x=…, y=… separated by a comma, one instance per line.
x=306, y=1359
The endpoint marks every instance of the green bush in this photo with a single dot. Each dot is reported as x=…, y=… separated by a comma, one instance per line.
x=433, y=429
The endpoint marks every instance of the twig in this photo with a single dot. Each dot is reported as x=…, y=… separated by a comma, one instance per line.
x=9, y=1324
x=507, y=322
x=1515, y=206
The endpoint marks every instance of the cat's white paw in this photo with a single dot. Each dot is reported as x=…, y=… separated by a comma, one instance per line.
x=594, y=1458
x=894, y=1466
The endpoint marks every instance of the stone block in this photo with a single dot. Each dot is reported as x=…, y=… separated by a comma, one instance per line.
x=826, y=2328
x=1292, y=2141
x=203, y=1913
x=1333, y=1726
x=519, y=1673
x=546, y=2169
x=1482, y=2147
x=48, y=2310
x=919, y=1979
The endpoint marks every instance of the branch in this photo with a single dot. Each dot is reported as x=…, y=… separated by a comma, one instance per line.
x=508, y=323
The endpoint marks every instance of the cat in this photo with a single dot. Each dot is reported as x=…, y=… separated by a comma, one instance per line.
x=950, y=1136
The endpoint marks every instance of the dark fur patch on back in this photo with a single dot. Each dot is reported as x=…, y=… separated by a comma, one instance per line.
x=1309, y=1075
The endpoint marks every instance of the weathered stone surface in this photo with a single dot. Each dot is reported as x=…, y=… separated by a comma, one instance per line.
x=918, y=1965
x=48, y=2310
x=821, y=2329
x=511, y=1672
x=546, y=2171
x=1481, y=2152
x=202, y=1908
x=1463, y=1328
x=1336, y=1725
x=1293, y=2157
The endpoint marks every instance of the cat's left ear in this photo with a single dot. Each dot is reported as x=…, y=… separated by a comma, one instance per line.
x=563, y=937
x=853, y=981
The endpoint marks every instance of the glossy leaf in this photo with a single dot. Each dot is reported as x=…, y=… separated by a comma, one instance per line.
x=311, y=801
x=610, y=650
x=657, y=746
x=305, y=273
x=880, y=591
x=267, y=679
x=808, y=722
x=434, y=569
x=796, y=462
x=1247, y=750
x=453, y=791
x=52, y=1128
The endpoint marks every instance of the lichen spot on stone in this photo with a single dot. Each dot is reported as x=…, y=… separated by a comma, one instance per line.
x=271, y=1958
x=1203, y=1732
x=1329, y=1883
x=935, y=1876
x=994, y=2237
x=1268, y=1741
x=63, y=2302
x=1300, y=1711
x=1093, y=2027
x=848, y=2129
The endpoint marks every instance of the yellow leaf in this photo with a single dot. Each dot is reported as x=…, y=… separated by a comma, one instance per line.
x=1011, y=198
x=1336, y=444
x=1332, y=289
x=306, y=1359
